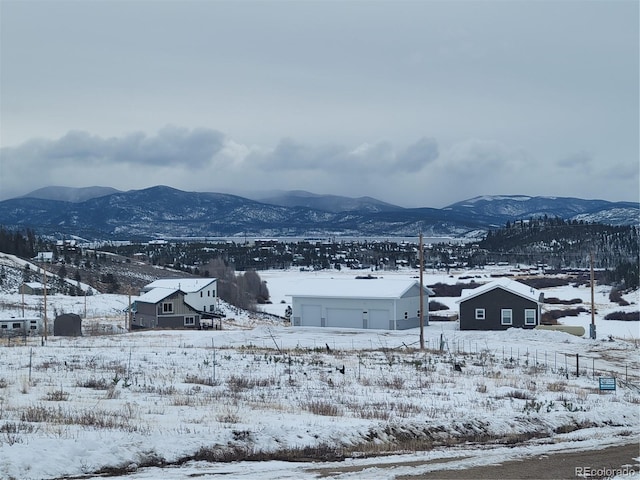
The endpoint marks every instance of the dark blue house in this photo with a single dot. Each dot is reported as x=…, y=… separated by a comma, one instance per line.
x=499, y=305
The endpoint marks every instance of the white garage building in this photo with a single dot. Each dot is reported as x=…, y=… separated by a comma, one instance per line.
x=378, y=303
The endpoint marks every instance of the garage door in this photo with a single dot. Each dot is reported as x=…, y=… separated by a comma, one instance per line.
x=311, y=316
x=344, y=317
x=379, y=319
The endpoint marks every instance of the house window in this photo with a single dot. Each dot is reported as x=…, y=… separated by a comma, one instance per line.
x=189, y=321
x=212, y=308
x=480, y=314
x=200, y=294
x=208, y=293
x=530, y=316
x=507, y=316
x=406, y=315
x=167, y=307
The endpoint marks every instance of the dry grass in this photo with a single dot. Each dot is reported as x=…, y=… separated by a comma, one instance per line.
x=556, y=386
x=319, y=407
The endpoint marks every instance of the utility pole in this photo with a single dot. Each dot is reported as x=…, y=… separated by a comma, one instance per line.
x=421, y=297
x=127, y=323
x=592, y=330
x=46, y=323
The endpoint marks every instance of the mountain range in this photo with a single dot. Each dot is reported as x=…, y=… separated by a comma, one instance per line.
x=102, y=213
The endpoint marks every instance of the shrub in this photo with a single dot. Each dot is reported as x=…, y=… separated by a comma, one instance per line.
x=551, y=317
x=557, y=386
x=57, y=396
x=201, y=380
x=519, y=394
x=615, y=296
x=96, y=384
x=237, y=383
x=557, y=301
x=446, y=290
x=545, y=282
x=624, y=316
x=434, y=306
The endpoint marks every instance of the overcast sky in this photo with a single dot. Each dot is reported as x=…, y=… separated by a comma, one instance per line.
x=421, y=103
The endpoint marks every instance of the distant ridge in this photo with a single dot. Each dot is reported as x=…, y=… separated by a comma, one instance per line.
x=70, y=194
x=328, y=203
x=165, y=212
x=522, y=206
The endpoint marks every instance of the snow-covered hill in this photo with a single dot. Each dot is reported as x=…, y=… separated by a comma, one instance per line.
x=119, y=402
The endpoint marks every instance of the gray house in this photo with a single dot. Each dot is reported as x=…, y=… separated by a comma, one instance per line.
x=200, y=293
x=164, y=308
x=372, y=303
x=499, y=305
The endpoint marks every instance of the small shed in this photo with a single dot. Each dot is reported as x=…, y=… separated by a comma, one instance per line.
x=67, y=325
x=499, y=305
x=368, y=303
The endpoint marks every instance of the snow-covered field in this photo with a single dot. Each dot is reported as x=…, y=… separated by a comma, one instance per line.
x=118, y=402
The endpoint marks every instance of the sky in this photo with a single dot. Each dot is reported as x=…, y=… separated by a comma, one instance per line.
x=416, y=103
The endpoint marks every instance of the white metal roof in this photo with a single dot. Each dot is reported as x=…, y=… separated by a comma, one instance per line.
x=187, y=285
x=505, y=283
x=156, y=295
x=354, y=288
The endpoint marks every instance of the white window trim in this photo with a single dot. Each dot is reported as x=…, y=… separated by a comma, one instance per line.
x=189, y=321
x=502, y=316
x=167, y=310
x=533, y=317
x=480, y=314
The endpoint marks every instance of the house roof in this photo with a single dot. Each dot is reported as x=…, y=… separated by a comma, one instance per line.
x=354, y=288
x=34, y=284
x=187, y=285
x=504, y=283
x=156, y=295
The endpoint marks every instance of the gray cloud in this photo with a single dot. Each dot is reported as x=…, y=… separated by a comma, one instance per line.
x=364, y=159
x=171, y=146
x=580, y=160
x=419, y=103
x=475, y=157
x=418, y=155
x=291, y=155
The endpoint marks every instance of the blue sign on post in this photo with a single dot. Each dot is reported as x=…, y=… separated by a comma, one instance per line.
x=607, y=384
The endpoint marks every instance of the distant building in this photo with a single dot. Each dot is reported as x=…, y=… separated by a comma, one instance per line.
x=499, y=305
x=44, y=257
x=164, y=308
x=190, y=303
x=33, y=288
x=369, y=303
x=200, y=293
